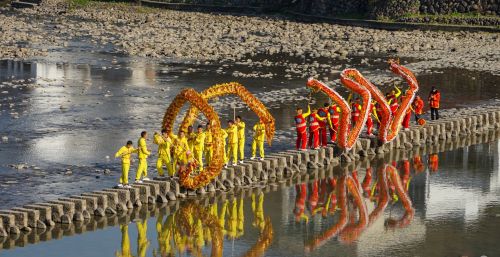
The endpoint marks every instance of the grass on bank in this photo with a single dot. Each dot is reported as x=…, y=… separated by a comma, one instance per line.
x=75, y=4
x=451, y=15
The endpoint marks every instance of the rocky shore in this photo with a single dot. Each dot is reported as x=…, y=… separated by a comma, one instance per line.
x=214, y=38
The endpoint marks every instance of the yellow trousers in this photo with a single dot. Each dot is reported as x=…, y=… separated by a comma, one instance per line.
x=232, y=152
x=142, y=169
x=142, y=240
x=199, y=240
x=198, y=156
x=209, y=152
x=164, y=160
x=258, y=144
x=125, y=169
x=226, y=160
x=241, y=148
x=125, y=242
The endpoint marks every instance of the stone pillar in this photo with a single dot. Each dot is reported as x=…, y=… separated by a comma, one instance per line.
x=81, y=212
x=33, y=217
x=45, y=213
x=68, y=208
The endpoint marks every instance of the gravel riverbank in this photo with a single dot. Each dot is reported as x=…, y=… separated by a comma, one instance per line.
x=215, y=38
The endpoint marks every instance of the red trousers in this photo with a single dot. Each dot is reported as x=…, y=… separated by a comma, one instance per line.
x=323, y=141
x=301, y=140
x=369, y=125
x=314, y=138
x=367, y=181
x=333, y=132
x=314, y=195
x=300, y=200
x=406, y=120
x=354, y=120
x=394, y=108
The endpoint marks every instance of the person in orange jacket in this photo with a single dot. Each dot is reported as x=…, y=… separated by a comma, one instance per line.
x=418, y=107
x=434, y=99
x=356, y=111
x=301, y=125
x=314, y=127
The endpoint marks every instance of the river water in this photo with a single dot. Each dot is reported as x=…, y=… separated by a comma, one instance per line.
x=63, y=121
x=455, y=195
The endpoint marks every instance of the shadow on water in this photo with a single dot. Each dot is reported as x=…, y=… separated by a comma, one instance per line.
x=407, y=203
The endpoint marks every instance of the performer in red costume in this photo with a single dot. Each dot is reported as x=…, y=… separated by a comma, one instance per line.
x=314, y=127
x=334, y=112
x=324, y=113
x=301, y=125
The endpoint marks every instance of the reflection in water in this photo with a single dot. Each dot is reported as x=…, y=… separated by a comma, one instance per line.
x=347, y=197
x=363, y=209
x=142, y=240
x=192, y=227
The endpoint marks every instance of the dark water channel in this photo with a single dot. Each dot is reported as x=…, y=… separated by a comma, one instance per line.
x=63, y=122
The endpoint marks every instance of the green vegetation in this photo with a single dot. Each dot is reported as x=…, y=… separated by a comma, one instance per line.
x=4, y=3
x=451, y=15
x=74, y=4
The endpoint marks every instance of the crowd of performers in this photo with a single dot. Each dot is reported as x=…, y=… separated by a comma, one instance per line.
x=191, y=147
x=178, y=236
x=317, y=127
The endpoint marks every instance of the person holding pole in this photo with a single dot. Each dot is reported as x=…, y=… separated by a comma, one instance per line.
x=258, y=140
x=241, y=138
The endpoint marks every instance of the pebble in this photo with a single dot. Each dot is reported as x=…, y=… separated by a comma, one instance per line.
x=21, y=166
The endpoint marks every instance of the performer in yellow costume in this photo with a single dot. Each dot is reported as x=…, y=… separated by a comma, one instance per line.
x=142, y=168
x=124, y=153
x=241, y=138
x=198, y=145
x=164, y=157
x=224, y=138
x=181, y=149
x=232, y=146
x=259, y=136
x=208, y=149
